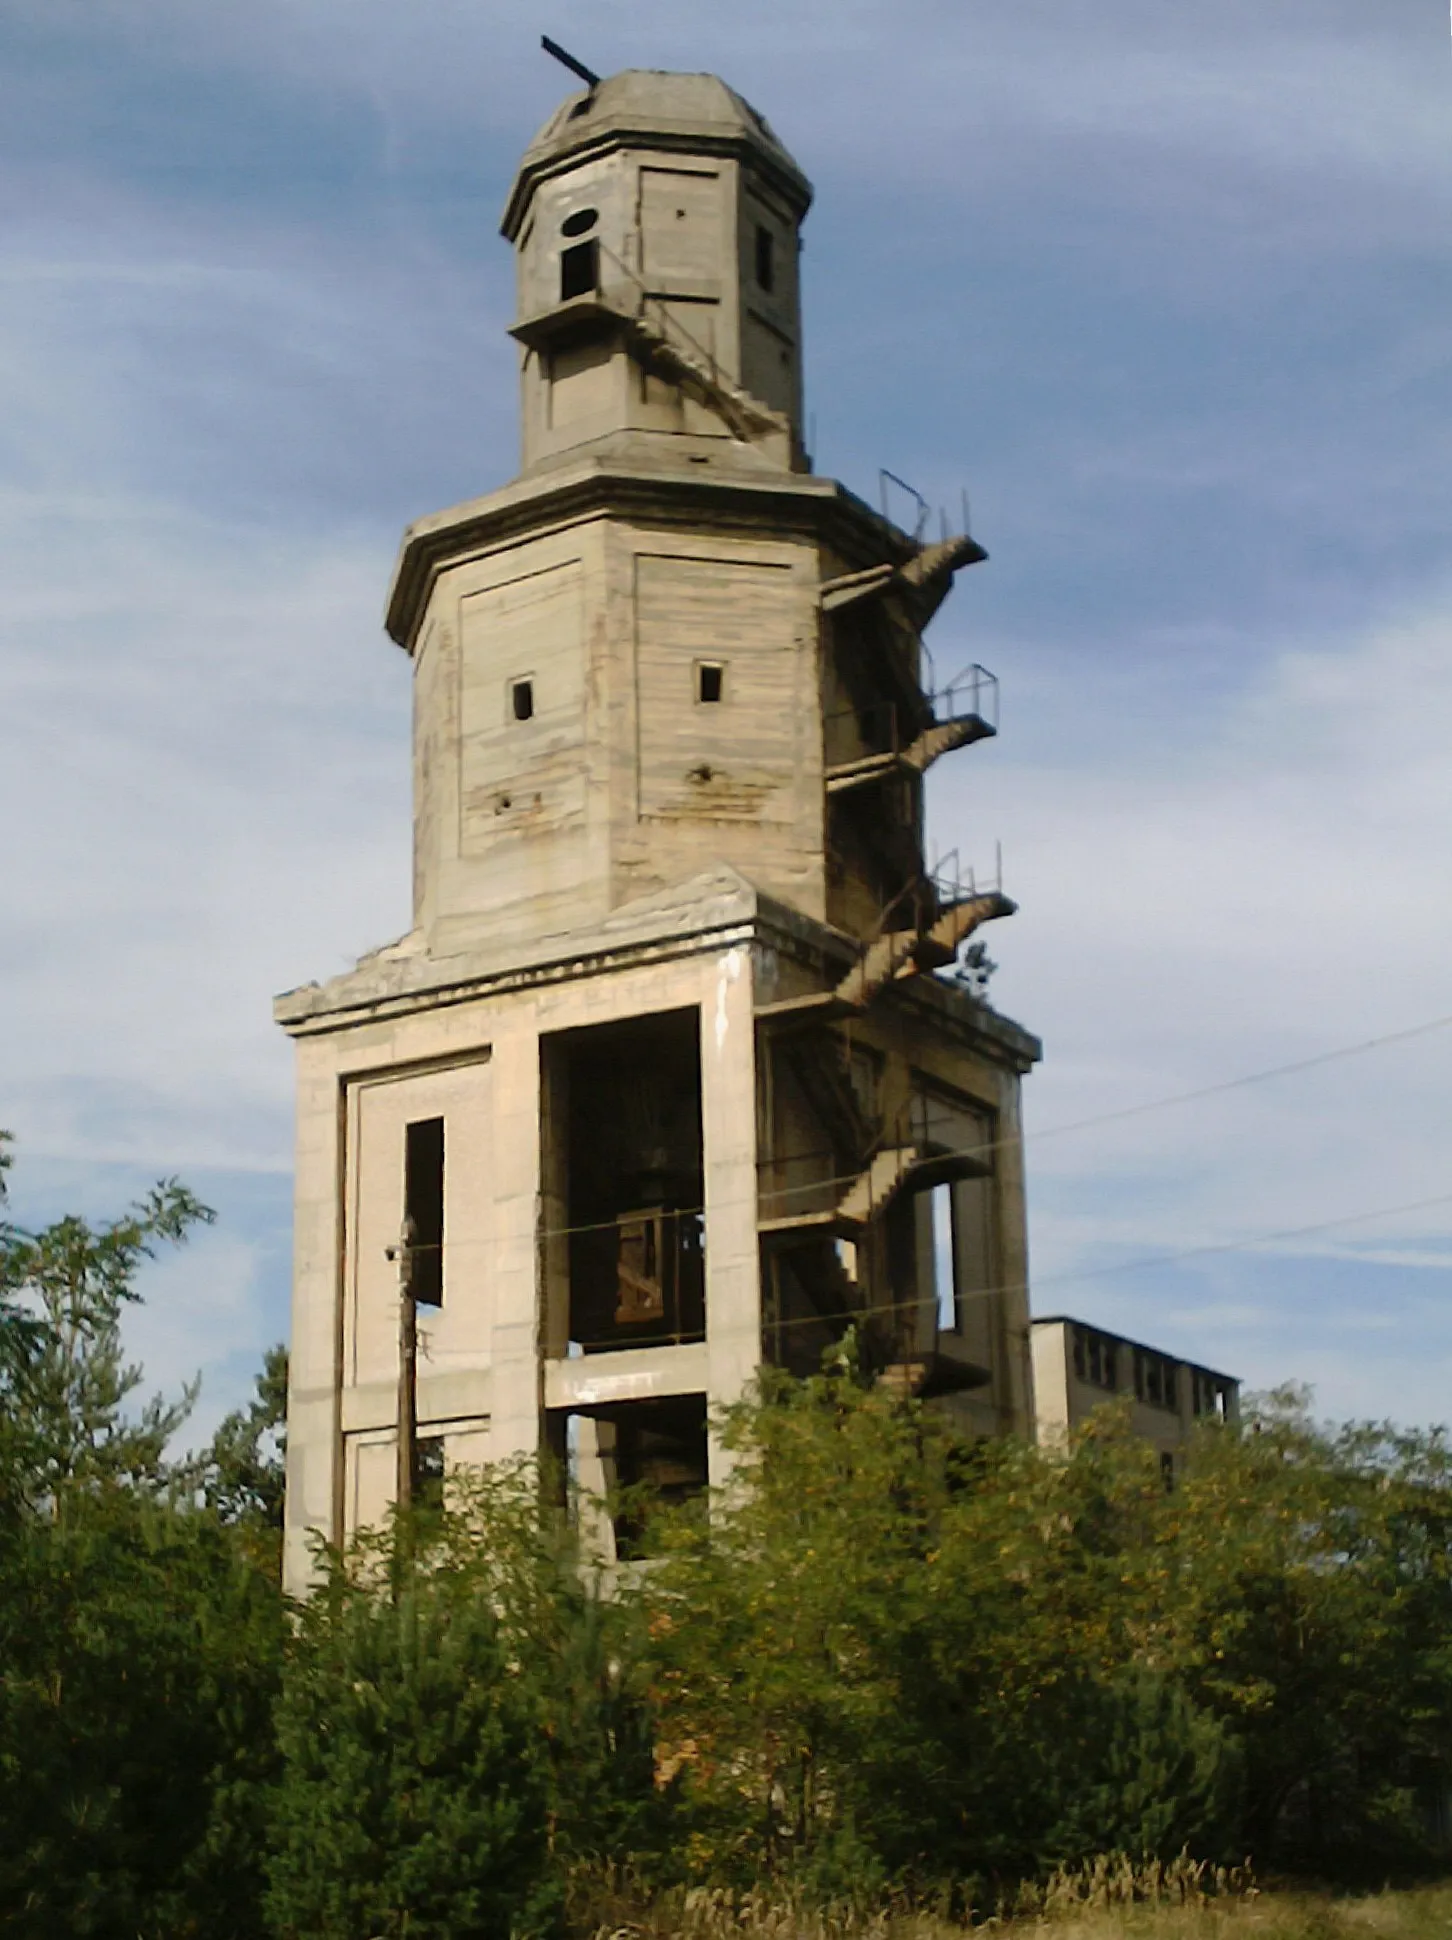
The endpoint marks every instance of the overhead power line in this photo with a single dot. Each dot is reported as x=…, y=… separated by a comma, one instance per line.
x=879, y=1308
x=1243, y=1245
x=1149, y=1105
x=809, y=1187
x=1250, y=1078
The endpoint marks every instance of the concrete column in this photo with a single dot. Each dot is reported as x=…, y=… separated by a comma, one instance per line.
x=315, y=1441
x=1052, y=1349
x=1018, y=1372
x=728, y=1112
x=515, y=1357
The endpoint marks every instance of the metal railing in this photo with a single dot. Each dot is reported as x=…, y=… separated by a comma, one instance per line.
x=889, y=728
x=969, y=695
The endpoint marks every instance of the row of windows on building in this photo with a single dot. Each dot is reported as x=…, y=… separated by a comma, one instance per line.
x=1098, y=1361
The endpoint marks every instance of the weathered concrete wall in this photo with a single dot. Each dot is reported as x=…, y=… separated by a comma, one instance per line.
x=633, y=666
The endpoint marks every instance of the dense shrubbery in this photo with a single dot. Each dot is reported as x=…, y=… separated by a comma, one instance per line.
x=886, y=1664
x=141, y=1637
x=894, y=1656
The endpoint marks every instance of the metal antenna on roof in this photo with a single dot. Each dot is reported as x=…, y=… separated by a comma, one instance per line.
x=553, y=48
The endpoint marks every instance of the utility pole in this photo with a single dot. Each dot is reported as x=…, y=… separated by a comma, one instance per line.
x=403, y=1253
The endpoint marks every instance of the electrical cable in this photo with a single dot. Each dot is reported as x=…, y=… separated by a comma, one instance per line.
x=1250, y=1241
x=983, y=1293
x=989, y=1146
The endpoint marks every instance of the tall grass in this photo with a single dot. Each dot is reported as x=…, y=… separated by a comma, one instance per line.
x=1109, y=1899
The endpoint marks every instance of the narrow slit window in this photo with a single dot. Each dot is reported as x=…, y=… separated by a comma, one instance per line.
x=423, y=1208
x=579, y=269
x=521, y=699
x=765, y=259
x=710, y=682
x=945, y=1265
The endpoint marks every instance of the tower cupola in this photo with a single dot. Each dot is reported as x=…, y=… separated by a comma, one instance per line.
x=655, y=220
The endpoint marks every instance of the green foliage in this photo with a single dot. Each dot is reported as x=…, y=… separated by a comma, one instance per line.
x=412, y=1798
x=242, y=1469
x=138, y=1655
x=891, y=1657
x=1303, y=1586
x=65, y=1386
x=458, y=1727
x=883, y=1665
x=140, y=1644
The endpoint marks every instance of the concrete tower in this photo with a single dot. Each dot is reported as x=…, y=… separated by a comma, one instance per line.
x=660, y=1084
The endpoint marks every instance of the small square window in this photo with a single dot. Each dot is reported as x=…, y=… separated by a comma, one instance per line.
x=521, y=699
x=710, y=682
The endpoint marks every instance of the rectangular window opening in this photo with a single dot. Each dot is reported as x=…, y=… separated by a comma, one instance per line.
x=1096, y=1358
x=429, y=1492
x=1155, y=1379
x=710, y=682
x=521, y=699
x=627, y=1152
x=579, y=269
x=810, y=1291
x=945, y=1265
x=659, y=1457
x=423, y=1208
x=1209, y=1395
x=765, y=258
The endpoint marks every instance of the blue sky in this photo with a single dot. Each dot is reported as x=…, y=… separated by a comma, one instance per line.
x=1166, y=288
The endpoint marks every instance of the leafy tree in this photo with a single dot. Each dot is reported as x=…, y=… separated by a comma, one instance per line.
x=458, y=1728
x=1304, y=1590
x=139, y=1641
x=242, y=1469
x=65, y=1384
x=138, y=1655
x=891, y=1657
x=412, y=1801
x=781, y=1628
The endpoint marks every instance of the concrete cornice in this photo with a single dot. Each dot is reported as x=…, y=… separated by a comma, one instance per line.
x=708, y=495
x=710, y=912
x=973, y=1019
x=715, y=911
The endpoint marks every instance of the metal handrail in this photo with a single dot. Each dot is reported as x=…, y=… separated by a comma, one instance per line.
x=971, y=694
x=974, y=691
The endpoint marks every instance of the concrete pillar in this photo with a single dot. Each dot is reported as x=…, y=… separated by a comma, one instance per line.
x=728, y=1112
x=515, y=1351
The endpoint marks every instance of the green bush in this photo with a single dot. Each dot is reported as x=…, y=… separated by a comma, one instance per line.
x=140, y=1640
x=459, y=1728
x=891, y=1657
x=413, y=1794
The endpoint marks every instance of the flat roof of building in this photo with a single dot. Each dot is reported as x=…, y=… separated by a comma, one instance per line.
x=1124, y=1340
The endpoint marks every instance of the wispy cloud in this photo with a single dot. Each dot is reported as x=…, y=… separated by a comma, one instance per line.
x=1168, y=284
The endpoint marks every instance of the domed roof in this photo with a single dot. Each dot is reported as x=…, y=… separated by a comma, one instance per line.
x=645, y=107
